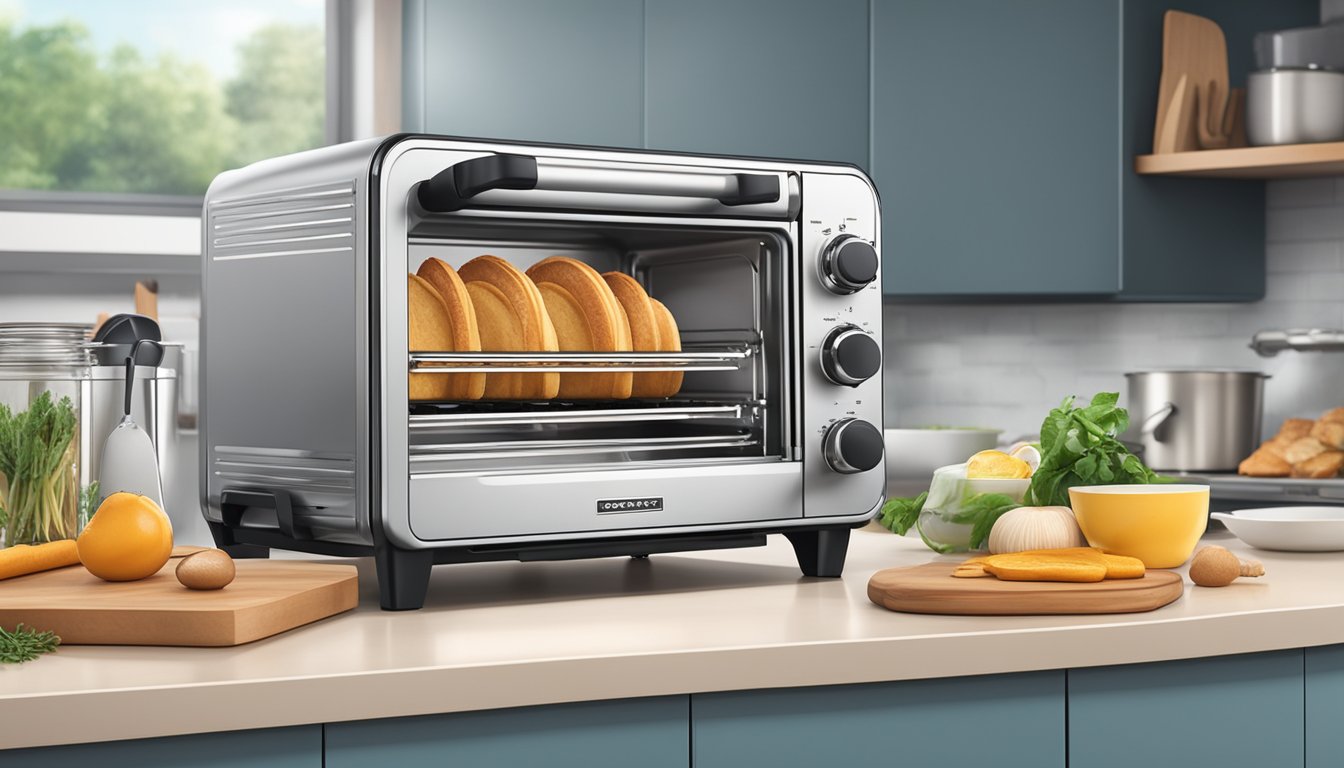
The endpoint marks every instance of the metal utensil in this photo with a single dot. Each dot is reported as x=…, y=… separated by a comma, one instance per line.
x=129, y=461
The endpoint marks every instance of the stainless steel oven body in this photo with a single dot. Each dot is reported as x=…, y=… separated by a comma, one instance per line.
x=308, y=440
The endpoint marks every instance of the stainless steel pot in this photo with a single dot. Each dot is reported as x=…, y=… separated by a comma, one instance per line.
x=1294, y=106
x=1195, y=421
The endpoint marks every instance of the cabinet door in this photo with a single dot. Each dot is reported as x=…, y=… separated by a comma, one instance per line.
x=1325, y=706
x=1226, y=710
x=298, y=747
x=651, y=733
x=566, y=72
x=773, y=78
x=1192, y=239
x=1001, y=720
x=996, y=146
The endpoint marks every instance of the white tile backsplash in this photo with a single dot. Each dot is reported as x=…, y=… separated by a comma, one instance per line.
x=1005, y=365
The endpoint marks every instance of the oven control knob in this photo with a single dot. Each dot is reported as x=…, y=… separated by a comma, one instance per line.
x=848, y=263
x=852, y=446
x=849, y=356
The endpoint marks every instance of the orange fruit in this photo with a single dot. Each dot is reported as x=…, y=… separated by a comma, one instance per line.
x=996, y=464
x=128, y=538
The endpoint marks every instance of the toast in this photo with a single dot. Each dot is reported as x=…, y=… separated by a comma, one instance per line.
x=587, y=318
x=465, y=334
x=428, y=329
x=652, y=329
x=511, y=317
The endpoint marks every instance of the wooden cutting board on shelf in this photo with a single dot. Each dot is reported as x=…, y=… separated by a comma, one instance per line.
x=1193, y=49
x=931, y=588
x=266, y=597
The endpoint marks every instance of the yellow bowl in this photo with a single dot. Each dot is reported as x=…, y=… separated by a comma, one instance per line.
x=1159, y=524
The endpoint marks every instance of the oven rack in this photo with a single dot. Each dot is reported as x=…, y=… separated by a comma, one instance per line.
x=434, y=417
x=724, y=359
x=465, y=451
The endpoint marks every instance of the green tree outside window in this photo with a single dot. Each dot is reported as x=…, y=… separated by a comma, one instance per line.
x=72, y=120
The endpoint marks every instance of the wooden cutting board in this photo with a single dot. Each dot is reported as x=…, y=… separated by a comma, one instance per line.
x=1193, y=47
x=931, y=588
x=266, y=597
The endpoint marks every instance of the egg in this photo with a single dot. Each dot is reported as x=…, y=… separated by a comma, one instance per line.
x=207, y=569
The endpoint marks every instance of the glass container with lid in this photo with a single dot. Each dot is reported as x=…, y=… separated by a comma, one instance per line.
x=42, y=367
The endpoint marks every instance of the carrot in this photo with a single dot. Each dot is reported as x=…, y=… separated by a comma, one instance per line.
x=24, y=559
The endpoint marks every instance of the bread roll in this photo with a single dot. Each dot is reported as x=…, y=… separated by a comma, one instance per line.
x=652, y=329
x=1334, y=414
x=1302, y=449
x=1293, y=429
x=587, y=318
x=1331, y=433
x=1264, y=463
x=1322, y=465
x=511, y=317
x=466, y=336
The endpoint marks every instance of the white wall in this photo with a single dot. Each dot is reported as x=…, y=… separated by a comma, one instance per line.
x=1005, y=366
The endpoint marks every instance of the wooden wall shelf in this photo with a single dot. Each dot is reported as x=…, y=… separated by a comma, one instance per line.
x=1281, y=162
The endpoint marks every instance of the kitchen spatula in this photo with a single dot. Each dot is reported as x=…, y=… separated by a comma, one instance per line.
x=130, y=463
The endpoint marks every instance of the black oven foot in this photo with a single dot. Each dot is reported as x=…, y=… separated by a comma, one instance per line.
x=820, y=553
x=224, y=540
x=403, y=577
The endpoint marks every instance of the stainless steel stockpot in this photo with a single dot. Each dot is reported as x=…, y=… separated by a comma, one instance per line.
x=1195, y=420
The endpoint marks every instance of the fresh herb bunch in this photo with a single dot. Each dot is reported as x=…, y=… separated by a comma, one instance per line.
x=25, y=644
x=1079, y=447
x=39, y=491
x=900, y=515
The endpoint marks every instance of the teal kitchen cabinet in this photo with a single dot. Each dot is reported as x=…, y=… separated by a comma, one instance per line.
x=651, y=733
x=1191, y=239
x=1225, y=711
x=996, y=133
x=1003, y=141
x=1324, y=669
x=769, y=78
x=297, y=747
x=1001, y=720
x=539, y=70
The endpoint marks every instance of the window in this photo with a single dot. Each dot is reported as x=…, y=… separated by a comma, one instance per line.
x=154, y=97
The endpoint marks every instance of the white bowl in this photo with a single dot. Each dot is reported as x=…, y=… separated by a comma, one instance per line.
x=913, y=454
x=1291, y=529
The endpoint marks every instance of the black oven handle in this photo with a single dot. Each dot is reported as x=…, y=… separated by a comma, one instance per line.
x=453, y=188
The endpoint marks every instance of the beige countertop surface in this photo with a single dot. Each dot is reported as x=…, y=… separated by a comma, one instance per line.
x=511, y=634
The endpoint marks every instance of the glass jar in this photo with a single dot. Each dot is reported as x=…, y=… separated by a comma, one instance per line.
x=42, y=368
x=946, y=523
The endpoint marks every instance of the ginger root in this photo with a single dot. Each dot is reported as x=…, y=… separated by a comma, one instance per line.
x=1214, y=566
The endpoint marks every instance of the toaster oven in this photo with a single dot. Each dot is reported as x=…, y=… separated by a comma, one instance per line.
x=309, y=438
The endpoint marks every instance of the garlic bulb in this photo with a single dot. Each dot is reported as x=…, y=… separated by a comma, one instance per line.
x=1026, y=528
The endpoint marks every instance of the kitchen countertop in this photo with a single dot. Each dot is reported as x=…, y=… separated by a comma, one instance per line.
x=508, y=634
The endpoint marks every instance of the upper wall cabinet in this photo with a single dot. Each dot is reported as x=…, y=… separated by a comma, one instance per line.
x=568, y=72
x=996, y=135
x=769, y=78
x=1003, y=137
x=1198, y=239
